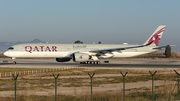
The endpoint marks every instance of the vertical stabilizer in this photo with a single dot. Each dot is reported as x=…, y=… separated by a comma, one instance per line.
x=155, y=38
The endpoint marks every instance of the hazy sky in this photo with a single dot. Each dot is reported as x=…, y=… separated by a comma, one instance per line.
x=108, y=21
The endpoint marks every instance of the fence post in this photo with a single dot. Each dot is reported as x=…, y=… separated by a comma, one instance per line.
x=124, y=85
x=178, y=82
x=91, y=84
x=55, y=86
x=152, y=84
x=15, y=78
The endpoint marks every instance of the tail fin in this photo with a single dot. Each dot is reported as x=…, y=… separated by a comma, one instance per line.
x=155, y=38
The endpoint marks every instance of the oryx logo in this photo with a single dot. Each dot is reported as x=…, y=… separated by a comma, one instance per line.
x=156, y=37
x=81, y=57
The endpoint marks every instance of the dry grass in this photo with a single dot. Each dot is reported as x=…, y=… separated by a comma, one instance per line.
x=97, y=96
x=6, y=69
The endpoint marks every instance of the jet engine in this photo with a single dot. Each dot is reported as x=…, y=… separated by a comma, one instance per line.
x=80, y=57
x=63, y=59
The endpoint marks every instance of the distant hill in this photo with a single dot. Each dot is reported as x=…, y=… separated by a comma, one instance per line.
x=33, y=41
x=36, y=41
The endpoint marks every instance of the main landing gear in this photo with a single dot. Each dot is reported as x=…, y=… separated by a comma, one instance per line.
x=90, y=62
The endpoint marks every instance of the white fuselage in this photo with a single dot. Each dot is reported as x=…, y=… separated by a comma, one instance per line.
x=65, y=50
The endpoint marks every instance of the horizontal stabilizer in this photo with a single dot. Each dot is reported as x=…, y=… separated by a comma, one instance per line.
x=162, y=47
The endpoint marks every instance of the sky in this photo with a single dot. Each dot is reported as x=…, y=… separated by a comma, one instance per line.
x=108, y=21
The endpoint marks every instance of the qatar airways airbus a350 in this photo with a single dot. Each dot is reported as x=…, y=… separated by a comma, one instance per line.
x=83, y=53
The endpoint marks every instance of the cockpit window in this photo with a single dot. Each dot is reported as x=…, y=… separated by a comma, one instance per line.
x=10, y=48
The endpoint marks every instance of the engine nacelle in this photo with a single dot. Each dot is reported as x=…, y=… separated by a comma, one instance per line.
x=63, y=59
x=80, y=57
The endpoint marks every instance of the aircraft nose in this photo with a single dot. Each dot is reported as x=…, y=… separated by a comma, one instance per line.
x=6, y=53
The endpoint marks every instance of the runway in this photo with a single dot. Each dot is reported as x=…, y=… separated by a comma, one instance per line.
x=113, y=63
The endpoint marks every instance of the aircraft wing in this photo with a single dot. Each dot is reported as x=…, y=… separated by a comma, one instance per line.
x=104, y=51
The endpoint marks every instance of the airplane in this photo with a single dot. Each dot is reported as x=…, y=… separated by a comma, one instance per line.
x=85, y=53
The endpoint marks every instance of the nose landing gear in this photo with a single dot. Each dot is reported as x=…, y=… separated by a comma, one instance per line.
x=14, y=60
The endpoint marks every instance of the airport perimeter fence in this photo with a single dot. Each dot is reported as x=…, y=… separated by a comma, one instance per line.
x=36, y=71
x=152, y=74
x=15, y=76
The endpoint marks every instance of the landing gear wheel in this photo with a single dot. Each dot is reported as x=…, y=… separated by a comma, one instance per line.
x=95, y=62
x=98, y=62
x=14, y=62
x=91, y=62
x=82, y=62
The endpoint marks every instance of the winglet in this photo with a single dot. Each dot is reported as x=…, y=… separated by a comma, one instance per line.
x=155, y=38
